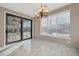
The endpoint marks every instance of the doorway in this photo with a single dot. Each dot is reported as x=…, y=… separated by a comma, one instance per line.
x=17, y=28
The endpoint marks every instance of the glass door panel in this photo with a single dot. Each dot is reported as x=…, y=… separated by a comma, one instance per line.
x=26, y=28
x=13, y=29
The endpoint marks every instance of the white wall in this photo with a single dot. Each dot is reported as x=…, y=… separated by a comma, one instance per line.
x=2, y=27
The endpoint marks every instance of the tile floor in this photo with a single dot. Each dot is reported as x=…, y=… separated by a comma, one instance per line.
x=37, y=47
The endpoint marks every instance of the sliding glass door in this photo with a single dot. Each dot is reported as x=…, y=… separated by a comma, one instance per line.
x=17, y=28
x=26, y=29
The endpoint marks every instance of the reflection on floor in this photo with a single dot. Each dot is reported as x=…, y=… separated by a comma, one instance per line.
x=37, y=47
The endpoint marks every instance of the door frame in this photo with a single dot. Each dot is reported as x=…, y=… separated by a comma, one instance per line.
x=22, y=28
x=21, y=33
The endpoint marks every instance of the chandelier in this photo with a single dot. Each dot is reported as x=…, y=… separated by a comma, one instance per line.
x=42, y=12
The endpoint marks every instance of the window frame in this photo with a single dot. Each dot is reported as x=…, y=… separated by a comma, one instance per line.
x=62, y=12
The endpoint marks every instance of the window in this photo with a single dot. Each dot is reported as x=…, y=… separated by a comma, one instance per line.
x=56, y=25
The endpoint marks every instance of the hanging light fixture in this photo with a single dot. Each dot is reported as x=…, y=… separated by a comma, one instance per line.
x=42, y=12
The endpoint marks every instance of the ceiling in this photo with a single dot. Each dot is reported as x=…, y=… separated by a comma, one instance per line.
x=30, y=8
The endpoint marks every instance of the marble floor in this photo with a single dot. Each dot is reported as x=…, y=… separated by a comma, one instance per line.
x=38, y=47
